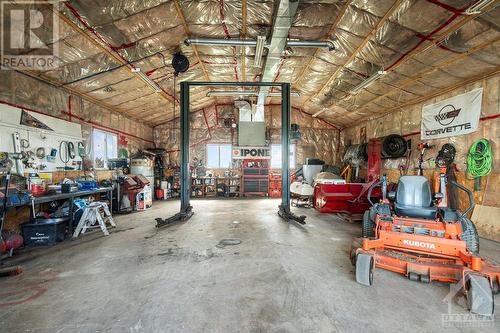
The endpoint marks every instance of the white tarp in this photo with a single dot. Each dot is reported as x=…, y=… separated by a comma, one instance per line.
x=454, y=116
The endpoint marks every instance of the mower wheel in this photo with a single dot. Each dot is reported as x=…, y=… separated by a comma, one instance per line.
x=425, y=279
x=368, y=225
x=364, y=269
x=480, y=295
x=413, y=276
x=469, y=235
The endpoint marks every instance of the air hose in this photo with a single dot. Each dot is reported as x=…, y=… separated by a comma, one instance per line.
x=479, y=161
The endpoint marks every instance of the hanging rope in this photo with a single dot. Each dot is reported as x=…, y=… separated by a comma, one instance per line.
x=479, y=159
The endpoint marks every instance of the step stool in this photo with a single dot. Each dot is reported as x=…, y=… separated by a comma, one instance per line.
x=91, y=215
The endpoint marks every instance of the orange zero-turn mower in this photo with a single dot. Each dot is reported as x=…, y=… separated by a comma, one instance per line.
x=412, y=235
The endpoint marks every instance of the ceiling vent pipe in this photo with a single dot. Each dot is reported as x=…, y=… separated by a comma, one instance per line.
x=252, y=42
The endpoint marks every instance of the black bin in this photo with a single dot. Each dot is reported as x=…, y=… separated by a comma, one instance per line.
x=44, y=231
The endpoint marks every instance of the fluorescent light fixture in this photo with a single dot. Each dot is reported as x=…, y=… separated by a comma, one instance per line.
x=367, y=82
x=231, y=93
x=148, y=81
x=478, y=7
x=259, y=51
x=318, y=113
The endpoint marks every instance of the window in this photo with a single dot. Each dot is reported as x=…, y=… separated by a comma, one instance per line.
x=219, y=156
x=104, y=147
x=276, y=156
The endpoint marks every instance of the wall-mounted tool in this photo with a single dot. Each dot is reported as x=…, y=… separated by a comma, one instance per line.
x=52, y=157
x=17, y=150
x=422, y=147
x=40, y=153
x=66, y=151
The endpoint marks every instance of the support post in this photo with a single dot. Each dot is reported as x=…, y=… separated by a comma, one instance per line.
x=185, y=181
x=186, y=209
x=284, y=209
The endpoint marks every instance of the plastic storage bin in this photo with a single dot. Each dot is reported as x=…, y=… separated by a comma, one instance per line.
x=44, y=231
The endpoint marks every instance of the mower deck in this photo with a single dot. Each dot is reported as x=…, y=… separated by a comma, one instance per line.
x=425, y=267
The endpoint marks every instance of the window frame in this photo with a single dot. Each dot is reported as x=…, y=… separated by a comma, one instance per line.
x=293, y=153
x=218, y=145
x=106, y=157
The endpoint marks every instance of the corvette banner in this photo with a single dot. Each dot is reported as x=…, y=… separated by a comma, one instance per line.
x=454, y=116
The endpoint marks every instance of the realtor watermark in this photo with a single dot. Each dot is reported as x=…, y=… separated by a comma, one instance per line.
x=464, y=320
x=29, y=34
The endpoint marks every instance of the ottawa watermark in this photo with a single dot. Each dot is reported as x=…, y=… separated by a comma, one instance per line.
x=29, y=35
x=464, y=320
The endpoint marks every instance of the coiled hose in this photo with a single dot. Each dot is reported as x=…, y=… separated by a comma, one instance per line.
x=479, y=159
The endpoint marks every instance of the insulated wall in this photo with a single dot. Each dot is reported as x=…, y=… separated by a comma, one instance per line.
x=406, y=122
x=20, y=90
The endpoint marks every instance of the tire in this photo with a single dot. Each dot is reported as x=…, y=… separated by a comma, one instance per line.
x=480, y=295
x=364, y=269
x=413, y=276
x=368, y=225
x=469, y=235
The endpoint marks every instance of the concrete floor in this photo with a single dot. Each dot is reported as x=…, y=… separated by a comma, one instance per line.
x=281, y=278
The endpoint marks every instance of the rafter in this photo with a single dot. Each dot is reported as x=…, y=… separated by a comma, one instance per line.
x=434, y=68
x=105, y=49
x=188, y=33
x=71, y=91
x=442, y=91
x=360, y=47
x=442, y=36
x=243, y=35
x=331, y=31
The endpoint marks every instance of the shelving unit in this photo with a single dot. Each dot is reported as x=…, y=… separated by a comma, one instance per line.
x=229, y=187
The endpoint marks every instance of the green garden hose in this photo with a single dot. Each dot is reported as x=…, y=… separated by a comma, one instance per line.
x=479, y=159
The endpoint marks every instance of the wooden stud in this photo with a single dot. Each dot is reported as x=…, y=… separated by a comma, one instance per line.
x=360, y=47
x=332, y=30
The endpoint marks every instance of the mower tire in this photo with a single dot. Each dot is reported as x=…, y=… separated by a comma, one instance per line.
x=368, y=225
x=469, y=235
x=364, y=269
x=480, y=295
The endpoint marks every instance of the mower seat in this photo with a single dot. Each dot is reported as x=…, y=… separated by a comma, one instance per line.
x=414, y=198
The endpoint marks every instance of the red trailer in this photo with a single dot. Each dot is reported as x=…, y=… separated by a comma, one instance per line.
x=351, y=198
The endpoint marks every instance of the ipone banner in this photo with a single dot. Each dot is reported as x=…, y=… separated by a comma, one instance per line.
x=454, y=116
x=251, y=153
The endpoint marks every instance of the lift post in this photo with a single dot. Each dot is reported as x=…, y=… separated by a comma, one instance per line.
x=186, y=210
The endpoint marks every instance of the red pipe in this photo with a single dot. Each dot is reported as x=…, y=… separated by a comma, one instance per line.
x=69, y=107
x=423, y=39
x=447, y=7
x=103, y=40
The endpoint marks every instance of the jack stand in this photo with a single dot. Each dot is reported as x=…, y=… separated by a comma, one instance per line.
x=182, y=216
x=285, y=213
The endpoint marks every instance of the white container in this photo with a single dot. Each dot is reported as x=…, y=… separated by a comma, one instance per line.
x=143, y=166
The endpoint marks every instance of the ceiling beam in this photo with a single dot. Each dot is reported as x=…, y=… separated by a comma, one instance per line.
x=406, y=82
x=442, y=91
x=443, y=35
x=360, y=47
x=333, y=27
x=243, y=35
x=70, y=90
x=188, y=33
